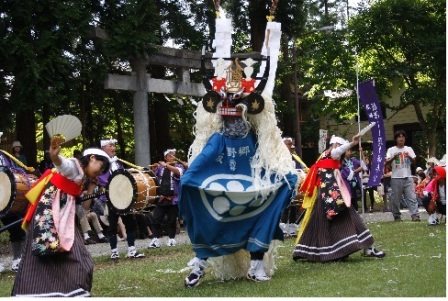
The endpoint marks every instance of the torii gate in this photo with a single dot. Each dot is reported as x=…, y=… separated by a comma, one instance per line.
x=142, y=83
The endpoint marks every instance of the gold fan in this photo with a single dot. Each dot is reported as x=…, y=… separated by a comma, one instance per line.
x=63, y=128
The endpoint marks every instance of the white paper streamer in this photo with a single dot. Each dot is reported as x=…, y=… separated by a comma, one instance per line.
x=271, y=47
x=367, y=128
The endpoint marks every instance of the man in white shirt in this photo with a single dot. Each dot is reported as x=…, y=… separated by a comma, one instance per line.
x=400, y=158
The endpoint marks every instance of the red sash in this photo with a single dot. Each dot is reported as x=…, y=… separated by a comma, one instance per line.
x=57, y=180
x=311, y=179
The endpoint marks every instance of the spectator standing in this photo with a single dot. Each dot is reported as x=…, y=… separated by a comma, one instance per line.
x=400, y=157
x=387, y=191
x=368, y=190
x=17, y=149
x=289, y=215
x=296, y=161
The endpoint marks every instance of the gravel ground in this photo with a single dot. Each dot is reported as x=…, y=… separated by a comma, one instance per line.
x=100, y=249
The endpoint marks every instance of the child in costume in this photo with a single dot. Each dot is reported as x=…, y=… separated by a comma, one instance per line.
x=331, y=229
x=55, y=261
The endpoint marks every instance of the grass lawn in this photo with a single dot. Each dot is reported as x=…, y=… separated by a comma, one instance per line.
x=415, y=266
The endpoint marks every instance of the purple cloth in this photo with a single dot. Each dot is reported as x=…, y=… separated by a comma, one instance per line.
x=372, y=106
x=174, y=181
x=5, y=160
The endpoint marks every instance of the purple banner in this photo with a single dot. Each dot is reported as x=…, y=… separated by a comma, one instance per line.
x=371, y=104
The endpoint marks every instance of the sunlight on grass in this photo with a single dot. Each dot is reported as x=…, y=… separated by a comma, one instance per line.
x=416, y=257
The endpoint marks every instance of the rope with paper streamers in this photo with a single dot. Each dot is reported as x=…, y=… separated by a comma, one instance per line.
x=18, y=162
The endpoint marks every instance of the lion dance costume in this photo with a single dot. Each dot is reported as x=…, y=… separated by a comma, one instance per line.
x=240, y=177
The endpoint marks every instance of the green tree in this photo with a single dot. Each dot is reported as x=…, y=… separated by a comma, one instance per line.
x=38, y=38
x=320, y=61
x=144, y=25
x=405, y=40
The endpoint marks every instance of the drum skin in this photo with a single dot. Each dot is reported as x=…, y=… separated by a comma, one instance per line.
x=13, y=187
x=130, y=190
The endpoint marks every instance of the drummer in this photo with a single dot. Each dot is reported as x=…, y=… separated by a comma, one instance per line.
x=16, y=234
x=108, y=145
x=168, y=173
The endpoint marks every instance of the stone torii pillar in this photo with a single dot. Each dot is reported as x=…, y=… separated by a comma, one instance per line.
x=141, y=119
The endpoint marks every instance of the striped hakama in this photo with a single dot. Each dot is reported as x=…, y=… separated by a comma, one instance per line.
x=327, y=240
x=321, y=239
x=68, y=274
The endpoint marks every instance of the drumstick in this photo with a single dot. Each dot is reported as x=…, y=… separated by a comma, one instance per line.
x=18, y=162
x=130, y=164
x=6, y=227
x=182, y=162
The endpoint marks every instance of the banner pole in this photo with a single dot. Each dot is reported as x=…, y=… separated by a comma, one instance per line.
x=359, y=129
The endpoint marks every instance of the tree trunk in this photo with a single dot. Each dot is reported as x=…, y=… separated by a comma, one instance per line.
x=45, y=119
x=257, y=13
x=162, y=122
x=288, y=123
x=26, y=134
x=431, y=137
